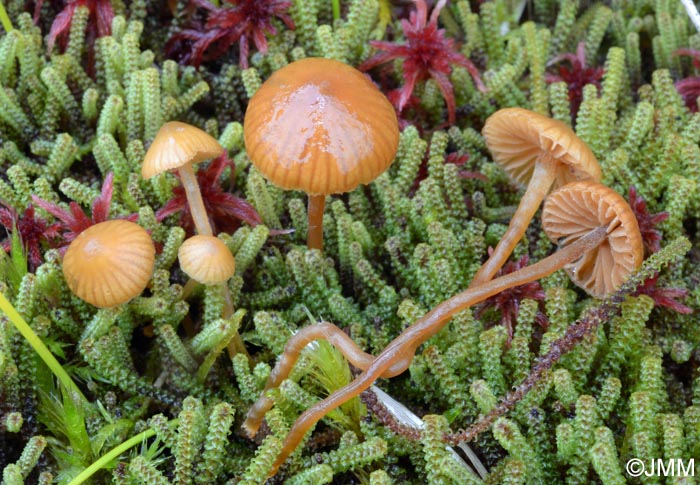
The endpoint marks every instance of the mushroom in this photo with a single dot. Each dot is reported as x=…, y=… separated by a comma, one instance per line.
x=178, y=146
x=537, y=151
x=320, y=126
x=207, y=260
x=109, y=263
x=576, y=209
x=599, y=234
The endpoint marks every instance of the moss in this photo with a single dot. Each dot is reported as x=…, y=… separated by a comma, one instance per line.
x=393, y=250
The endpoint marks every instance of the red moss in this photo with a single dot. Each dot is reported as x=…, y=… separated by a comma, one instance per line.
x=33, y=232
x=99, y=21
x=651, y=237
x=73, y=222
x=225, y=210
x=689, y=87
x=246, y=21
x=664, y=297
x=508, y=301
x=427, y=53
x=576, y=76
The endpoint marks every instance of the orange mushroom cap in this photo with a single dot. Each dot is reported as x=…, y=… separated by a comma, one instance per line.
x=577, y=208
x=516, y=137
x=206, y=259
x=109, y=263
x=177, y=144
x=320, y=126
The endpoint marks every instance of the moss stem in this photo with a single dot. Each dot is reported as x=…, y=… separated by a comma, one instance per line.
x=114, y=453
x=4, y=18
x=38, y=345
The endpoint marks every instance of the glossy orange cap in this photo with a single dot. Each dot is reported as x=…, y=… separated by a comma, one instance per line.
x=516, y=137
x=320, y=126
x=109, y=263
x=206, y=259
x=579, y=207
x=177, y=144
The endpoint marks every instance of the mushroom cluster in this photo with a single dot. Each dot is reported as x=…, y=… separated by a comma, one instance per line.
x=599, y=238
x=539, y=153
x=203, y=257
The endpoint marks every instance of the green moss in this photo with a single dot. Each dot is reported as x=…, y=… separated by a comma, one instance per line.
x=393, y=250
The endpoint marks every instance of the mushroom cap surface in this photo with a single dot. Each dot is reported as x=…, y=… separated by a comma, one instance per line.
x=176, y=144
x=109, y=263
x=577, y=208
x=206, y=259
x=516, y=137
x=320, y=126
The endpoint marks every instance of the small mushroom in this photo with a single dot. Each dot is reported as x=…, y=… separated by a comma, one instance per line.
x=576, y=209
x=109, y=263
x=206, y=259
x=178, y=146
x=541, y=153
x=596, y=228
x=320, y=126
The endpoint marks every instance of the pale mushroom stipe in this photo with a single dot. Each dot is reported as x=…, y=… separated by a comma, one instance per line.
x=178, y=146
x=539, y=153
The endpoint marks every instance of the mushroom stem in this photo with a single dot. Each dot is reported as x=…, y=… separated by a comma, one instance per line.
x=194, y=199
x=189, y=288
x=399, y=353
x=543, y=177
x=320, y=331
x=236, y=344
x=314, y=238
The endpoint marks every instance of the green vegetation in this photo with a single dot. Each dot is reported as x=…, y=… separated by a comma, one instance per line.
x=146, y=392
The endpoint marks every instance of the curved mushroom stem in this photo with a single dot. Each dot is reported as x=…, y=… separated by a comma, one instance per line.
x=541, y=181
x=314, y=237
x=320, y=331
x=194, y=199
x=402, y=348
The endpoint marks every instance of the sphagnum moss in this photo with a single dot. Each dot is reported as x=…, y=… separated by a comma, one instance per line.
x=393, y=250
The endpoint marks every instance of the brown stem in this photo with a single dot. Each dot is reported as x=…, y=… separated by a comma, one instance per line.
x=542, y=179
x=403, y=347
x=314, y=237
x=194, y=199
x=320, y=331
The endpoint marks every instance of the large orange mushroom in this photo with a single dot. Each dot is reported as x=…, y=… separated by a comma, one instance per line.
x=599, y=236
x=537, y=152
x=320, y=126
